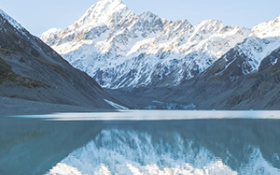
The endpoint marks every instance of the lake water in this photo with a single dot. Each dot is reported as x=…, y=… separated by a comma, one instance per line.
x=142, y=142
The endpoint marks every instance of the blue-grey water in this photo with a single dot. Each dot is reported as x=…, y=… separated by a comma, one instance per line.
x=142, y=142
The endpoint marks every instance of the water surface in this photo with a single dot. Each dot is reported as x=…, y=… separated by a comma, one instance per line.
x=142, y=142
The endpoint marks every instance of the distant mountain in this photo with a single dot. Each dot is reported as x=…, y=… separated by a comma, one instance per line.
x=229, y=89
x=150, y=62
x=246, y=57
x=31, y=70
x=120, y=49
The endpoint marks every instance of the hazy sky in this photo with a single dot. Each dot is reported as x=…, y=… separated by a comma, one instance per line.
x=40, y=15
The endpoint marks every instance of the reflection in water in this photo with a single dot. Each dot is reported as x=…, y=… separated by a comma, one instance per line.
x=32, y=146
x=225, y=146
x=131, y=152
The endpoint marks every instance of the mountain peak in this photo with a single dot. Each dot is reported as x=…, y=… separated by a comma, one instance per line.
x=109, y=3
x=104, y=12
x=267, y=29
x=209, y=26
x=148, y=14
x=210, y=22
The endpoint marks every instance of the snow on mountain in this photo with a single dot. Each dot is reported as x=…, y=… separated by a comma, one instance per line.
x=267, y=29
x=120, y=49
x=248, y=55
x=13, y=22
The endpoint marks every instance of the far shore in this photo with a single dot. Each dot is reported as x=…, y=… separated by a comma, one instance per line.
x=13, y=106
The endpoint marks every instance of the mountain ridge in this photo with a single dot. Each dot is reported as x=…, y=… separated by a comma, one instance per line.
x=138, y=43
x=147, y=61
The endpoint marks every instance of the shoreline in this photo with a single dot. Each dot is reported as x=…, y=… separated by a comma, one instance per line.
x=13, y=106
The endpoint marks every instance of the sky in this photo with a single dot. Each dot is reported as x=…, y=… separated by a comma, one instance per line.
x=40, y=15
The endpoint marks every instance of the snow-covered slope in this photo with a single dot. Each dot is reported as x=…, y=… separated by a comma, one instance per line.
x=121, y=49
x=247, y=56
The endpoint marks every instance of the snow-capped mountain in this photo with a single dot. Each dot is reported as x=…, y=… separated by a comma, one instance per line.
x=121, y=49
x=247, y=56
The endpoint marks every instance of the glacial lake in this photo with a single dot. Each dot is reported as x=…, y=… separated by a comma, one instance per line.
x=142, y=143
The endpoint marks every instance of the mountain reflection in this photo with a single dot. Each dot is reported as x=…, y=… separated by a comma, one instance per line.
x=34, y=146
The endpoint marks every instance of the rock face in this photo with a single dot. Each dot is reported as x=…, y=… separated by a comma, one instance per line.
x=31, y=70
x=120, y=49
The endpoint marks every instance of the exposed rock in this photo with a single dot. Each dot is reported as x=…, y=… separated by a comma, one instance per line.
x=31, y=70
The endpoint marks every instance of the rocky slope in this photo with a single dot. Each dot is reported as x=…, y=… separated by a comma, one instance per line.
x=120, y=49
x=259, y=90
x=31, y=70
